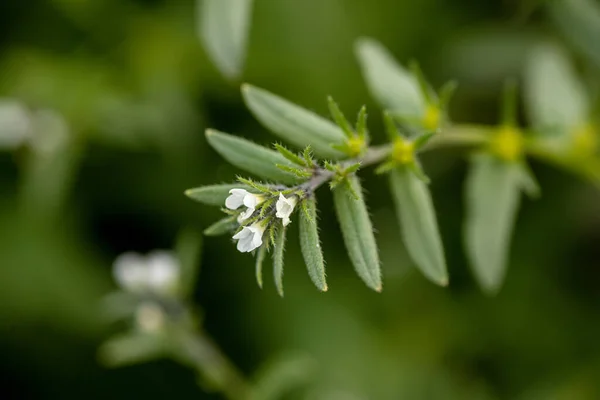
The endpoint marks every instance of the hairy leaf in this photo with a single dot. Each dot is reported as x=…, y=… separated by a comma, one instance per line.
x=394, y=87
x=278, y=259
x=311, y=245
x=492, y=195
x=293, y=123
x=213, y=195
x=249, y=156
x=419, y=224
x=221, y=227
x=224, y=28
x=357, y=231
x=556, y=99
x=261, y=253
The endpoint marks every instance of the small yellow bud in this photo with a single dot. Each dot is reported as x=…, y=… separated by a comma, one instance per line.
x=585, y=141
x=431, y=117
x=356, y=146
x=508, y=143
x=403, y=151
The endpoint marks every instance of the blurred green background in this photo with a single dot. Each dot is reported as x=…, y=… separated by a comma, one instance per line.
x=137, y=90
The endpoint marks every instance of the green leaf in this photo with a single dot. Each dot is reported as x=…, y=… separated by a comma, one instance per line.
x=361, y=123
x=260, y=258
x=213, y=195
x=357, y=231
x=492, y=196
x=394, y=87
x=249, y=156
x=293, y=157
x=579, y=21
x=419, y=224
x=446, y=92
x=339, y=118
x=132, y=348
x=390, y=126
x=278, y=250
x=311, y=245
x=529, y=183
x=555, y=98
x=224, y=28
x=222, y=227
x=293, y=123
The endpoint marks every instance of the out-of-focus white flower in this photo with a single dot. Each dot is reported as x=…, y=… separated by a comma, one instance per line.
x=158, y=272
x=15, y=124
x=50, y=132
x=250, y=237
x=239, y=197
x=285, y=207
x=149, y=317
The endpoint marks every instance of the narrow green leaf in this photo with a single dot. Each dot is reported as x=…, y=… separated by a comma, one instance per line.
x=307, y=153
x=390, y=126
x=311, y=245
x=446, y=92
x=213, y=195
x=249, y=156
x=224, y=28
x=579, y=21
x=394, y=87
x=426, y=91
x=361, y=123
x=293, y=123
x=555, y=98
x=260, y=258
x=417, y=219
x=492, y=195
x=357, y=231
x=278, y=250
x=257, y=186
x=221, y=227
x=297, y=172
x=339, y=118
x=416, y=168
x=423, y=139
x=293, y=157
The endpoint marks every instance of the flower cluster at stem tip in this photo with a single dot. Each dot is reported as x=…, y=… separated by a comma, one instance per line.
x=249, y=238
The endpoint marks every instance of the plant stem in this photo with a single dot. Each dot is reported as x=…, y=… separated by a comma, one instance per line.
x=205, y=356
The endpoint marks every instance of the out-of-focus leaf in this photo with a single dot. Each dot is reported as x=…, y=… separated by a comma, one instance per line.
x=293, y=123
x=283, y=375
x=311, y=245
x=579, y=20
x=132, y=348
x=221, y=227
x=249, y=156
x=419, y=224
x=224, y=29
x=492, y=197
x=213, y=195
x=260, y=258
x=393, y=86
x=555, y=98
x=357, y=231
x=529, y=183
x=189, y=250
x=278, y=251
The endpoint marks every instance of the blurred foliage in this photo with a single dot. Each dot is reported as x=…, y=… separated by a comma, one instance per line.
x=136, y=91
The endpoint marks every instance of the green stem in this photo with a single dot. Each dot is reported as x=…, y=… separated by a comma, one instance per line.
x=205, y=356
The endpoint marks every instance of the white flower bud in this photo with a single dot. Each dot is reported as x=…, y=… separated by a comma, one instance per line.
x=156, y=273
x=285, y=207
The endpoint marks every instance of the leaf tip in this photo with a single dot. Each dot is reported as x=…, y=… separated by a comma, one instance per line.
x=245, y=87
x=379, y=288
x=325, y=288
x=210, y=132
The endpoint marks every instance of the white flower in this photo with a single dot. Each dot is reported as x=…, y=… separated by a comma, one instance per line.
x=284, y=208
x=158, y=272
x=249, y=238
x=239, y=197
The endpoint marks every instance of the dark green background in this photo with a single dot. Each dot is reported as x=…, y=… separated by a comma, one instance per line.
x=137, y=89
